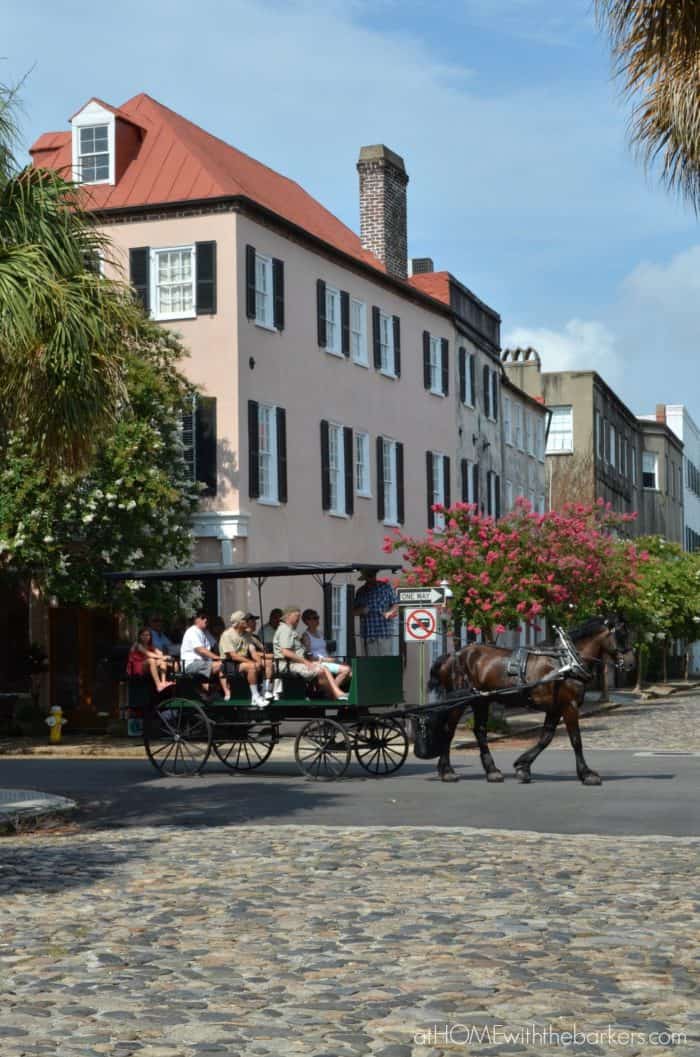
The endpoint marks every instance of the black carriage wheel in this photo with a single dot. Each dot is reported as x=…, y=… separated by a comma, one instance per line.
x=247, y=747
x=322, y=750
x=381, y=746
x=177, y=738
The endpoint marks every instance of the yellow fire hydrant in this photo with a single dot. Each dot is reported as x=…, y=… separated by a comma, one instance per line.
x=55, y=722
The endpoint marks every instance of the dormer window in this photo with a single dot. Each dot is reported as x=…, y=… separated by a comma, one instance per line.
x=93, y=153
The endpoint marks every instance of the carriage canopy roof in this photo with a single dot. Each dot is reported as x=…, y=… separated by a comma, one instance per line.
x=254, y=571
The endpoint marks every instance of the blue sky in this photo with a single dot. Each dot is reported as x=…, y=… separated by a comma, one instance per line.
x=514, y=137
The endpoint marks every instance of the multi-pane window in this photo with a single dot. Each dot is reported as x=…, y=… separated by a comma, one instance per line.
x=600, y=435
x=649, y=469
x=529, y=440
x=386, y=343
x=613, y=446
x=264, y=308
x=494, y=395
x=518, y=423
x=93, y=154
x=173, y=273
x=439, y=494
x=471, y=379
x=540, y=504
x=509, y=496
x=339, y=630
x=362, y=482
x=267, y=451
x=561, y=430
x=507, y=426
x=336, y=465
x=436, y=366
x=333, y=321
x=358, y=332
x=391, y=506
x=539, y=443
x=633, y=465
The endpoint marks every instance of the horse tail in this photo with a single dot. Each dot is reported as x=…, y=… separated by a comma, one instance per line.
x=434, y=682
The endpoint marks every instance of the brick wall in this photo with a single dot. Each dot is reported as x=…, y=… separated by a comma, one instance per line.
x=383, y=230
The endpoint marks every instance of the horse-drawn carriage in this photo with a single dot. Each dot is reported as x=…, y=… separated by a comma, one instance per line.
x=182, y=730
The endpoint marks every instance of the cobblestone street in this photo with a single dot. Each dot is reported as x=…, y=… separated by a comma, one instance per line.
x=252, y=940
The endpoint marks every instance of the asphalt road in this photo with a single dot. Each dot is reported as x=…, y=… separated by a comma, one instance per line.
x=641, y=795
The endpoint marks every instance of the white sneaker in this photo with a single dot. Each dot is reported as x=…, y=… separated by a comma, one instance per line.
x=256, y=701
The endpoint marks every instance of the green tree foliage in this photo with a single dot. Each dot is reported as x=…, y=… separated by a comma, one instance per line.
x=667, y=603
x=132, y=506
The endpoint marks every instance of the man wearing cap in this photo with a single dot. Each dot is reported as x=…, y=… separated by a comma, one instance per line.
x=376, y=604
x=289, y=651
x=234, y=645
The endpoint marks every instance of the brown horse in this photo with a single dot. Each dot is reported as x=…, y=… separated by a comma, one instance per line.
x=486, y=668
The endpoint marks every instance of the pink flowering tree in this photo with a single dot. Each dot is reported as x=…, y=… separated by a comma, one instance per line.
x=563, y=565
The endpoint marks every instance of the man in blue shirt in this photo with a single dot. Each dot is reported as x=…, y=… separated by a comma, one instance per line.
x=377, y=605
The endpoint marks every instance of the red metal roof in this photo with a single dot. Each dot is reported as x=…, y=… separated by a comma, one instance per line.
x=178, y=161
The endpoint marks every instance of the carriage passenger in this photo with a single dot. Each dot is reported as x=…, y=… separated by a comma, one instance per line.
x=144, y=659
x=197, y=656
x=269, y=629
x=235, y=645
x=317, y=648
x=261, y=656
x=290, y=653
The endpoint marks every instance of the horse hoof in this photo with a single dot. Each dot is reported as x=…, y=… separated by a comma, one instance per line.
x=523, y=776
x=592, y=779
x=494, y=776
x=449, y=776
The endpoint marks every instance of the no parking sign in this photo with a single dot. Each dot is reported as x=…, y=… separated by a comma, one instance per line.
x=420, y=625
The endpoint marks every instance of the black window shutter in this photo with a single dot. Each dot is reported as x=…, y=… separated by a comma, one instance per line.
x=487, y=391
x=489, y=508
x=376, y=342
x=205, y=443
x=426, y=360
x=494, y=395
x=472, y=379
x=349, y=460
x=400, y=505
x=281, y=455
x=250, y=282
x=429, y=486
x=345, y=322
x=278, y=292
x=462, y=360
x=475, y=485
x=139, y=275
x=350, y=619
x=321, y=312
x=253, y=451
x=205, y=261
x=464, y=474
x=327, y=611
x=445, y=346
x=446, y=480
x=380, y=478
x=497, y=495
x=397, y=346
x=325, y=468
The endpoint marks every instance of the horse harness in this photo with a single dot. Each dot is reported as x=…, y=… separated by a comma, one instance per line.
x=569, y=664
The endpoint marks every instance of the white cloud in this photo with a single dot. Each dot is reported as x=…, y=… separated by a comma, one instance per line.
x=581, y=345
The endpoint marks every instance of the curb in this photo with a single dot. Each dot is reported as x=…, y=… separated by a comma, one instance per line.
x=25, y=809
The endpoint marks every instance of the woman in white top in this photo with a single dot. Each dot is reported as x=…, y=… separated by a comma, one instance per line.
x=318, y=650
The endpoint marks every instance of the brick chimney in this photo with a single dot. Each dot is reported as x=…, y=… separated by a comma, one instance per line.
x=660, y=412
x=383, y=181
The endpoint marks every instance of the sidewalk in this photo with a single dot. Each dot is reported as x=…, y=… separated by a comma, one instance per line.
x=22, y=809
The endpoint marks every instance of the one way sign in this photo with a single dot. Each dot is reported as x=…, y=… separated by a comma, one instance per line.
x=421, y=596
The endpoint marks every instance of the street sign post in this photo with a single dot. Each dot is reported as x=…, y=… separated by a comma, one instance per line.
x=421, y=596
x=420, y=625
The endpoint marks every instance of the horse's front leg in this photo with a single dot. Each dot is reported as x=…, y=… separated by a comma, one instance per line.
x=523, y=763
x=586, y=775
x=481, y=715
x=445, y=769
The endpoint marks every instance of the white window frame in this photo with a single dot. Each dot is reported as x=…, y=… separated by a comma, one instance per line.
x=563, y=447
x=362, y=471
x=386, y=349
x=529, y=434
x=518, y=419
x=358, y=338
x=613, y=445
x=436, y=366
x=470, y=386
x=438, y=487
x=267, y=318
x=539, y=440
x=633, y=463
x=507, y=424
x=93, y=116
x=336, y=469
x=391, y=486
x=646, y=455
x=269, y=485
x=493, y=404
x=339, y=611
x=155, y=286
x=508, y=496
x=334, y=322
